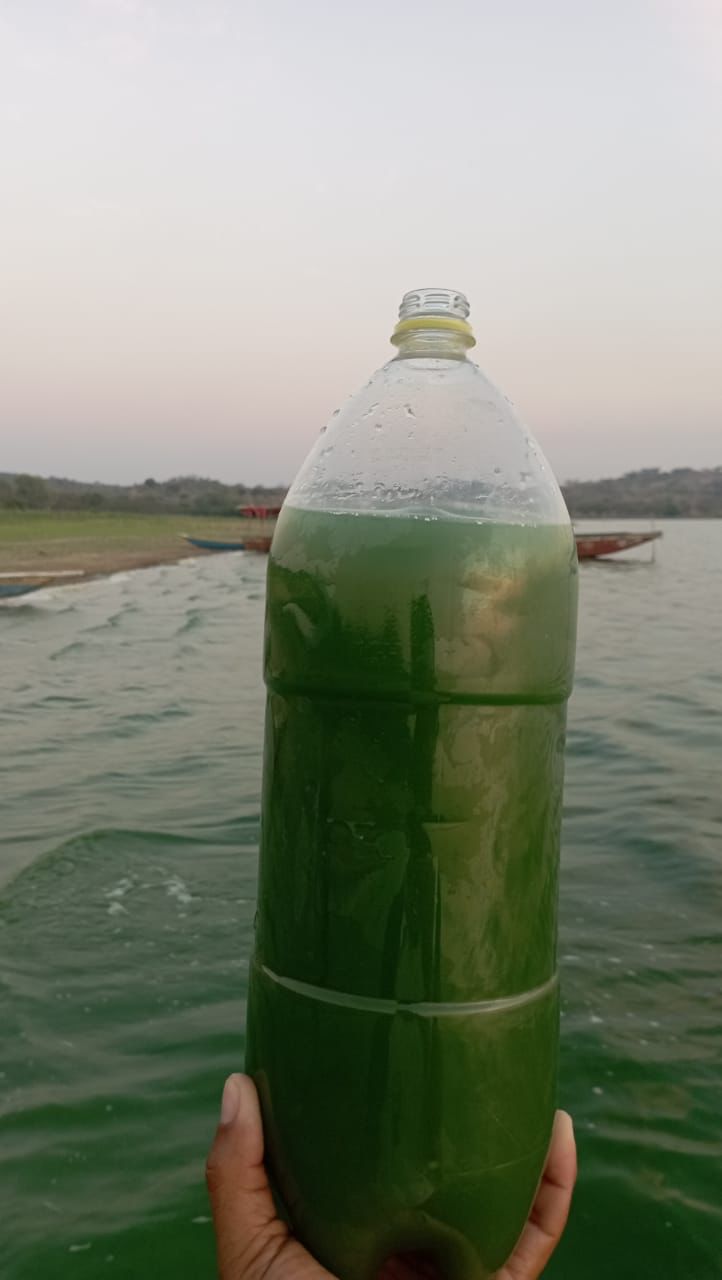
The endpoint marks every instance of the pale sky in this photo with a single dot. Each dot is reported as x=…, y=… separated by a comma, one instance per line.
x=209, y=210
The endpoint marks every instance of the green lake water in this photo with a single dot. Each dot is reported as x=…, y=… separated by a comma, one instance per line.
x=131, y=714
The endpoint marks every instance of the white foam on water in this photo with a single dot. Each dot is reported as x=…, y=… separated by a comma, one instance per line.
x=178, y=889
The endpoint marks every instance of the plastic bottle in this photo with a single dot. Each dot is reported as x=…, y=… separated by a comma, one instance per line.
x=403, y=1012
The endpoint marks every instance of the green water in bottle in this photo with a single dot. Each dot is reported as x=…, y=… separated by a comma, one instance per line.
x=403, y=1011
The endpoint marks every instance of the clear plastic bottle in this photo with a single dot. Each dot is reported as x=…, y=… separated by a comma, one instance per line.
x=403, y=1014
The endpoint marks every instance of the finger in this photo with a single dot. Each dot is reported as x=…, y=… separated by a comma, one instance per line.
x=252, y=1242
x=550, y=1210
x=248, y=1230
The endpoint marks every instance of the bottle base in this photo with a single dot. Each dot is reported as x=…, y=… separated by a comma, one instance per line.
x=394, y=1133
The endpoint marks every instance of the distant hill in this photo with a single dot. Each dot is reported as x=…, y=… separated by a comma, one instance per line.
x=193, y=495
x=651, y=492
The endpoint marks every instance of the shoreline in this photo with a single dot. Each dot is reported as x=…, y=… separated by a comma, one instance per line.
x=98, y=564
x=101, y=545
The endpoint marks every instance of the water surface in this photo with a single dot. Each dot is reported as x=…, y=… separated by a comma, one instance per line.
x=131, y=720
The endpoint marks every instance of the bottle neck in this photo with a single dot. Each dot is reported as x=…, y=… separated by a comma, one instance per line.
x=433, y=337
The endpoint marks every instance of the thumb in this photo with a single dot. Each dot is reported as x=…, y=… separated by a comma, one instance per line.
x=249, y=1234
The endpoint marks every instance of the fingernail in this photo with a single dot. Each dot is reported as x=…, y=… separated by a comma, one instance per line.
x=231, y=1100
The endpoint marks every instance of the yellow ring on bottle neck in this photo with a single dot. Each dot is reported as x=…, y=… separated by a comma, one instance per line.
x=434, y=322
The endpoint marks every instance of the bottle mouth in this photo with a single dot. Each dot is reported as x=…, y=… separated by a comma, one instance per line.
x=434, y=302
x=439, y=310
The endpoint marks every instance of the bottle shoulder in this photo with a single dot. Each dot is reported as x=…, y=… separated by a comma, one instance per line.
x=430, y=434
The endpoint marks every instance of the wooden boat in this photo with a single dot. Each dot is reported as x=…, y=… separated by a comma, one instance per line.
x=258, y=537
x=590, y=546
x=208, y=544
x=262, y=543
x=13, y=585
x=260, y=513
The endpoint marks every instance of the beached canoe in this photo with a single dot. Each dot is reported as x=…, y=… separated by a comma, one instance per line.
x=21, y=583
x=208, y=544
x=9, y=590
x=258, y=542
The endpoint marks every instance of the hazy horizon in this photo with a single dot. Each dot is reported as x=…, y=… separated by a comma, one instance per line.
x=139, y=480
x=211, y=210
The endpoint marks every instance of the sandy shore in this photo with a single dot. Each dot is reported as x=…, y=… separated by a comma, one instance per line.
x=93, y=564
x=97, y=546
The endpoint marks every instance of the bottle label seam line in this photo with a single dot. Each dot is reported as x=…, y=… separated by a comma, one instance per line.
x=422, y=1008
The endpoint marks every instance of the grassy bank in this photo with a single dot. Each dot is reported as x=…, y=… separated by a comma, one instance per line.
x=101, y=542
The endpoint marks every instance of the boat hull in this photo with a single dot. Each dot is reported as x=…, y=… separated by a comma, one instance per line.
x=262, y=542
x=591, y=546
x=208, y=544
x=22, y=581
x=10, y=590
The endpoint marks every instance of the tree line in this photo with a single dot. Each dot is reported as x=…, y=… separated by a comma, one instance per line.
x=684, y=492
x=649, y=493
x=192, y=495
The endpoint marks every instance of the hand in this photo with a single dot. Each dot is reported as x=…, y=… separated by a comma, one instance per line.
x=254, y=1244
